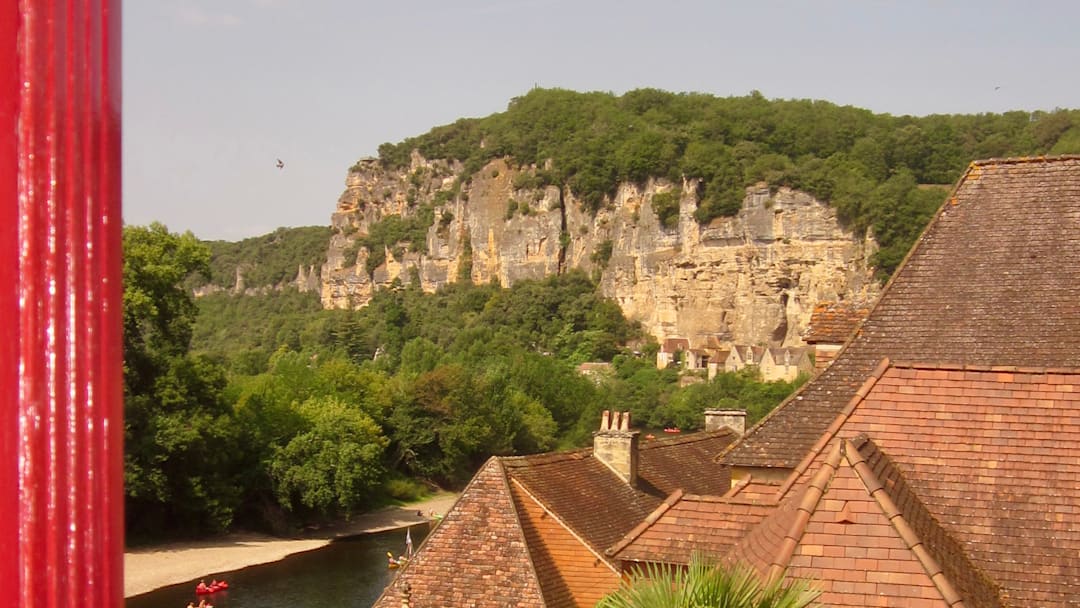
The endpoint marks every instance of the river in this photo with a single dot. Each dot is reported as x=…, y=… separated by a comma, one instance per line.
x=348, y=573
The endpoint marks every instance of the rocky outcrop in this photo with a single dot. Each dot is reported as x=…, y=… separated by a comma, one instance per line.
x=307, y=280
x=750, y=279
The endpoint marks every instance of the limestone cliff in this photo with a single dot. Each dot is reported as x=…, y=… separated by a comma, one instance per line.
x=750, y=279
x=306, y=280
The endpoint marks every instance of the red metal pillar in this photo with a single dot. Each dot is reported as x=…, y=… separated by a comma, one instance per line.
x=61, y=394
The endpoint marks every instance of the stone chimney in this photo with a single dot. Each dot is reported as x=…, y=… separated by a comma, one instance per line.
x=732, y=419
x=617, y=446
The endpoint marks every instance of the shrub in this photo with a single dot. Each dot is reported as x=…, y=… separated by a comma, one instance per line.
x=666, y=207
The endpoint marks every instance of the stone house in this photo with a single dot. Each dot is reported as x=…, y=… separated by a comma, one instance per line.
x=774, y=363
x=669, y=351
x=933, y=463
x=741, y=356
x=785, y=364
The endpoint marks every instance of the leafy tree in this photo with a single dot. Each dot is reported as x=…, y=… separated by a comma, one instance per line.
x=739, y=390
x=334, y=465
x=666, y=207
x=178, y=473
x=704, y=583
x=158, y=311
x=267, y=260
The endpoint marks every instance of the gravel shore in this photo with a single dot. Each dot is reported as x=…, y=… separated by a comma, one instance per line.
x=150, y=568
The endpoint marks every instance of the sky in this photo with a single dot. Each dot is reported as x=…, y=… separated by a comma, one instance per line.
x=216, y=91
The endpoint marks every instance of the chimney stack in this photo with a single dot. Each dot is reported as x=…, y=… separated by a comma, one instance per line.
x=732, y=419
x=616, y=445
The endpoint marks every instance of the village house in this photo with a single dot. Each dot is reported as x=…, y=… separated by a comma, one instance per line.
x=785, y=364
x=742, y=356
x=772, y=363
x=671, y=349
x=932, y=463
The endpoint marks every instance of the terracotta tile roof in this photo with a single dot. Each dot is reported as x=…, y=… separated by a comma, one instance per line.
x=970, y=582
x=843, y=531
x=834, y=322
x=566, y=482
x=685, y=524
x=574, y=484
x=531, y=530
x=671, y=345
x=752, y=489
x=570, y=573
x=993, y=456
x=992, y=281
x=685, y=462
x=479, y=546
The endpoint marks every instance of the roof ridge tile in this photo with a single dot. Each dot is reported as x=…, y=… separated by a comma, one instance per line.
x=561, y=522
x=645, y=524
x=810, y=500
x=877, y=489
x=834, y=427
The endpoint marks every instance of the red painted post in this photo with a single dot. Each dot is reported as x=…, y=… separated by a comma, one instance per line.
x=61, y=347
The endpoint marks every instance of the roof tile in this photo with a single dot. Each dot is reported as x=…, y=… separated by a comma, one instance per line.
x=990, y=282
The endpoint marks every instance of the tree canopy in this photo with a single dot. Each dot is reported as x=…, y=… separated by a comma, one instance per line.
x=269, y=412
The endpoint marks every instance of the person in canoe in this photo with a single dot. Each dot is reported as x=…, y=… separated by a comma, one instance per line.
x=392, y=562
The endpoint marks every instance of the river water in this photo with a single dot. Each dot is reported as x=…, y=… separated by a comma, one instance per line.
x=347, y=573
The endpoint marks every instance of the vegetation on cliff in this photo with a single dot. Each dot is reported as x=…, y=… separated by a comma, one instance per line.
x=266, y=411
x=265, y=261
x=869, y=166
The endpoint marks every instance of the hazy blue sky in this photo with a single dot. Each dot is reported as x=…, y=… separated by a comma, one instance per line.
x=216, y=90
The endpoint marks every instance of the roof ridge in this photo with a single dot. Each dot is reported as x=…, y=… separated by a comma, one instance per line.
x=1018, y=369
x=504, y=476
x=738, y=486
x=672, y=500
x=834, y=427
x=899, y=523
x=980, y=588
x=561, y=522
x=807, y=505
x=662, y=442
x=1016, y=160
x=729, y=500
x=452, y=508
x=544, y=457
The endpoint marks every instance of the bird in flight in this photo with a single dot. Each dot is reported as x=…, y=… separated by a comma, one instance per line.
x=280, y=164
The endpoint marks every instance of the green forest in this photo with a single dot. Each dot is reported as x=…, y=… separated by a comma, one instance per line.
x=876, y=170
x=267, y=412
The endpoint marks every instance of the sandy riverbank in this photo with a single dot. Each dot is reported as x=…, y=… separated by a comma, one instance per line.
x=150, y=568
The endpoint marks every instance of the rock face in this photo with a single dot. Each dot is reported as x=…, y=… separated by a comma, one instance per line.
x=307, y=279
x=750, y=279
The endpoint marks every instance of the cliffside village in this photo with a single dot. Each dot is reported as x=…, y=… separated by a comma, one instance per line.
x=932, y=460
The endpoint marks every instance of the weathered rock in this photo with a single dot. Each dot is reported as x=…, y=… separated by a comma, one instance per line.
x=750, y=279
